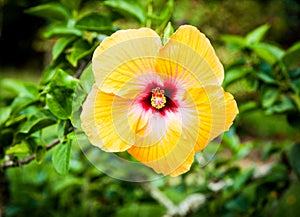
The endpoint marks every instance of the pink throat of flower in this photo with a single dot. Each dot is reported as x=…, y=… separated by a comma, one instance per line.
x=158, y=99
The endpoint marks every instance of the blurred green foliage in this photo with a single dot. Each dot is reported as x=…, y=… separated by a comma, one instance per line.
x=255, y=171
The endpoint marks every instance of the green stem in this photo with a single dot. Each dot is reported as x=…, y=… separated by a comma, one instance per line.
x=164, y=23
x=149, y=13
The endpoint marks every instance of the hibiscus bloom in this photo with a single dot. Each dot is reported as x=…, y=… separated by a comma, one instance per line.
x=160, y=103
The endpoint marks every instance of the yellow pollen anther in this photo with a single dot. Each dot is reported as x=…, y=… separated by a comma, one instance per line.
x=158, y=99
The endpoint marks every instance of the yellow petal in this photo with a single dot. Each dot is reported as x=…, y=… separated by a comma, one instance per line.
x=123, y=56
x=216, y=111
x=97, y=121
x=138, y=119
x=231, y=109
x=185, y=166
x=200, y=58
x=170, y=148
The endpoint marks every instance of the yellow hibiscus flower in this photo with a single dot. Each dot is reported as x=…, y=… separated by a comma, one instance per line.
x=161, y=103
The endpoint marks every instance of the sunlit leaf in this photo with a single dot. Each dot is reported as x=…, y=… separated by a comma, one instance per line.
x=169, y=30
x=257, y=34
x=18, y=149
x=4, y=114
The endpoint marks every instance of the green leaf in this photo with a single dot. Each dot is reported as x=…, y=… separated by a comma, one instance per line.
x=60, y=94
x=80, y=96
x=51, y=11
x=80, y=49
x=270, y=53
x=283, y=104
x=279, y=173
x=15, y=121
x=295, y=159
x=4, y=114
x=141, y=210
x=19, y=88
x=87, y=79
x=175, y=195
x=247, y=106
x=295, y=85
x=250, y=84
x=232, y=139
x=267, y=78
x=71, y=4
x=40, y=153
x=289, y=203
x=94, y=22
x=234, y=75
x=20, y=103
x=164, y=17
x=257, y=34
x=61, y=31
x=18, y=149
x=269, y=95
x=61, y=45
x=242, y=152
x=265, y=73
x=169, y=30
x=48, y=75
x=38, y=121
x=60, y=104
x=129, y=8
x=241, y=180
x=63, y=128
x=61, y=157
x=233, y=41
x=292, y=55
x=239, y=204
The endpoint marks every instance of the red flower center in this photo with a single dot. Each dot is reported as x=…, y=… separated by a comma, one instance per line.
x=159, y=98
